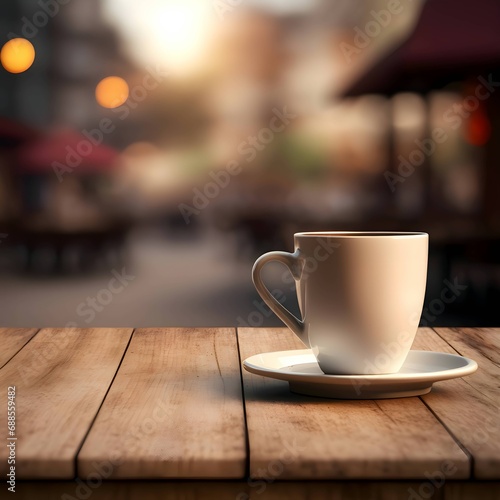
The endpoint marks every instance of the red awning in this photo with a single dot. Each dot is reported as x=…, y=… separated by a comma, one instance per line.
x=67, y=149
x=453, y=40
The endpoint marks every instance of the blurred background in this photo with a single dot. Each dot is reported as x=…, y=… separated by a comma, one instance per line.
x=150, y=151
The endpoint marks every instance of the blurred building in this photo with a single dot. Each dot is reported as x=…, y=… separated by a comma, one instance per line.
x=74, y=49
x=442, y=141
x=85, y=49
x=26, y=97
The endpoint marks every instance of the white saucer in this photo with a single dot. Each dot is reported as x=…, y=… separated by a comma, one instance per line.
x=301, y=370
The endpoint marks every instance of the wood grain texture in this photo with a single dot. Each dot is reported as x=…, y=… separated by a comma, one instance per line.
x=472, y=490
x=175, y=409
x=470, y=407
x=301, y=437
x=482, y=345
x=12, y=341
x=259, y=490
x=133, y=490
x=61, y=378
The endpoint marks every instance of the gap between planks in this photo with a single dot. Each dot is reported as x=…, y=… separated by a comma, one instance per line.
x=102, y=402
x=327, y=454
x=26, y=335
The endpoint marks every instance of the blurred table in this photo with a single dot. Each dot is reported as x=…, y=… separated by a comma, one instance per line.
x=123, y=413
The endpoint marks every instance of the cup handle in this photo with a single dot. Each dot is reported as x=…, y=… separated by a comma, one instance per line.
x=293, y=262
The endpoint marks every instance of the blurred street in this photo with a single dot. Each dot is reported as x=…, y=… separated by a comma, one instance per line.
x=193, y=281
x=187, y=279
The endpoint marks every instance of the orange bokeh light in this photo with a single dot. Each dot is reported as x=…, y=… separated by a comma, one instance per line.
x=111, y=92
x=17, y=55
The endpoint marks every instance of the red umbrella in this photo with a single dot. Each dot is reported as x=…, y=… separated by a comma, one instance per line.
x=68, y=151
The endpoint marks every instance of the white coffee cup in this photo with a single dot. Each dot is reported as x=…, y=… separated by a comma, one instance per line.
x=360, y=296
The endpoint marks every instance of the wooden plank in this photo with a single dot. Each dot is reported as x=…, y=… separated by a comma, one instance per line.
x=472, y=490
x=482, y=345
x=265, y=490
x=469, y=407
x=12, y=341
x=313, y=438
x=485, y=341
x=337, y=490
x=175, y=409
x=131, y=490
x=261, y=490
x=61, y=378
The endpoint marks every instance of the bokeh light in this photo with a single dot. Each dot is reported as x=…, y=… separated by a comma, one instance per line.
x=112, y=92
x=17, y=55
x=176, y=32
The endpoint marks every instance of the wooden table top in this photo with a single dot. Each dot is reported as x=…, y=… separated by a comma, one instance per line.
x=176, y=403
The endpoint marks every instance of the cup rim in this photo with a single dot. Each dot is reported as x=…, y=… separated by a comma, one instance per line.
x=361, y=234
